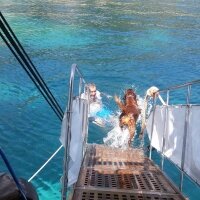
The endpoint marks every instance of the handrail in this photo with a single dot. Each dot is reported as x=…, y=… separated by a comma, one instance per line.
x=187, y=85
x=74, y=69
x=180, y=86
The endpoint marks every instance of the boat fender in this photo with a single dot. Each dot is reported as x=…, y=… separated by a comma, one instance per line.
x=9, y=190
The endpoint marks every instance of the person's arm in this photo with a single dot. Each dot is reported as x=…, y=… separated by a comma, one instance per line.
x=106, y=95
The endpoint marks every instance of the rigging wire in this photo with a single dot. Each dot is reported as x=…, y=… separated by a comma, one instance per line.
x=28, y=65
x=18, y=51
x=30, y=75
x=35, y=174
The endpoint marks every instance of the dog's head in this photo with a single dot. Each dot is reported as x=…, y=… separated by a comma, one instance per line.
x=130, y=94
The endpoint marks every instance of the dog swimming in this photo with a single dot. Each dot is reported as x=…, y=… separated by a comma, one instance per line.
x=129, y=112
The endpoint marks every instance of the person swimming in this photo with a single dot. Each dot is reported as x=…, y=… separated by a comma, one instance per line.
x=98, y=113
x=94, y=94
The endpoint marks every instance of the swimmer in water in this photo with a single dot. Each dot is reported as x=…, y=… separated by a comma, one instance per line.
x=95, y=101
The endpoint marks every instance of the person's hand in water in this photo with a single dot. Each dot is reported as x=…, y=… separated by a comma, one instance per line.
x=109, y=96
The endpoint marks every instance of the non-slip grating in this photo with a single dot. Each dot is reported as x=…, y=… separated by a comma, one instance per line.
x=115, y=174
x=116, y=158
x=104, y=152
x=97, y=195
x=124, y=179
x=96, y=162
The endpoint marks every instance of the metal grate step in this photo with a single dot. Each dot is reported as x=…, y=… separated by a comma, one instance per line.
x=115, y=174
x=124, y=179
x=116, y=158
x=102, y=195
x=98, y=163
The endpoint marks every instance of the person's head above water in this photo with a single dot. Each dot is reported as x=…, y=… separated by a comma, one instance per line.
x=92, y=90
x=92, y=93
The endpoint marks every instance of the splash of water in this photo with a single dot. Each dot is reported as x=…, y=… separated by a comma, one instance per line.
x=118, y=137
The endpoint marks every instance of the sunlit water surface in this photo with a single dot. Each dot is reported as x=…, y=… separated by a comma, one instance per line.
x=117, y=44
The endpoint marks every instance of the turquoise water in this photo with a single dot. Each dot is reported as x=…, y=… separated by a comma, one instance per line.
x=117, y=44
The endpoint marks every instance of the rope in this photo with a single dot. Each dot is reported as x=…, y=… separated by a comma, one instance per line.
x=30, y=179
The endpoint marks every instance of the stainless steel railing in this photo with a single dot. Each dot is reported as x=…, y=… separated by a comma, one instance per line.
x=74, y=71
x=188, y=84
x=167, y=91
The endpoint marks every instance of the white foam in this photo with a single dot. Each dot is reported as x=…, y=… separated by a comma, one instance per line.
x=117, y=138
x=95, y=108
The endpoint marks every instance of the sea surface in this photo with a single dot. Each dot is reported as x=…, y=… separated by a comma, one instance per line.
x=117, y=44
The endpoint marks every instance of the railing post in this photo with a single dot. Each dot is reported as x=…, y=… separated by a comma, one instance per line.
x=187, y=113
x=67, y=141
x=79, y=93
x=165, y=129
x=80, y=86
x=68, y=135
x=87, y=111
x=85, y=126
x=152, y=125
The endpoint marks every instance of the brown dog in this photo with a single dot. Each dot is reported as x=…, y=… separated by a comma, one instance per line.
x=130, y=112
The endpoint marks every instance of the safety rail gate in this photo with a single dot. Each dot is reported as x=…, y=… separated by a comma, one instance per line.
x=116, y=174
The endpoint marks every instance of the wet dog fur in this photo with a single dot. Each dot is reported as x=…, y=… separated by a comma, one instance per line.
x=129, y=112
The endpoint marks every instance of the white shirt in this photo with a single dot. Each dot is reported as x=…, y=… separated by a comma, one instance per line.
x=95, y=103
